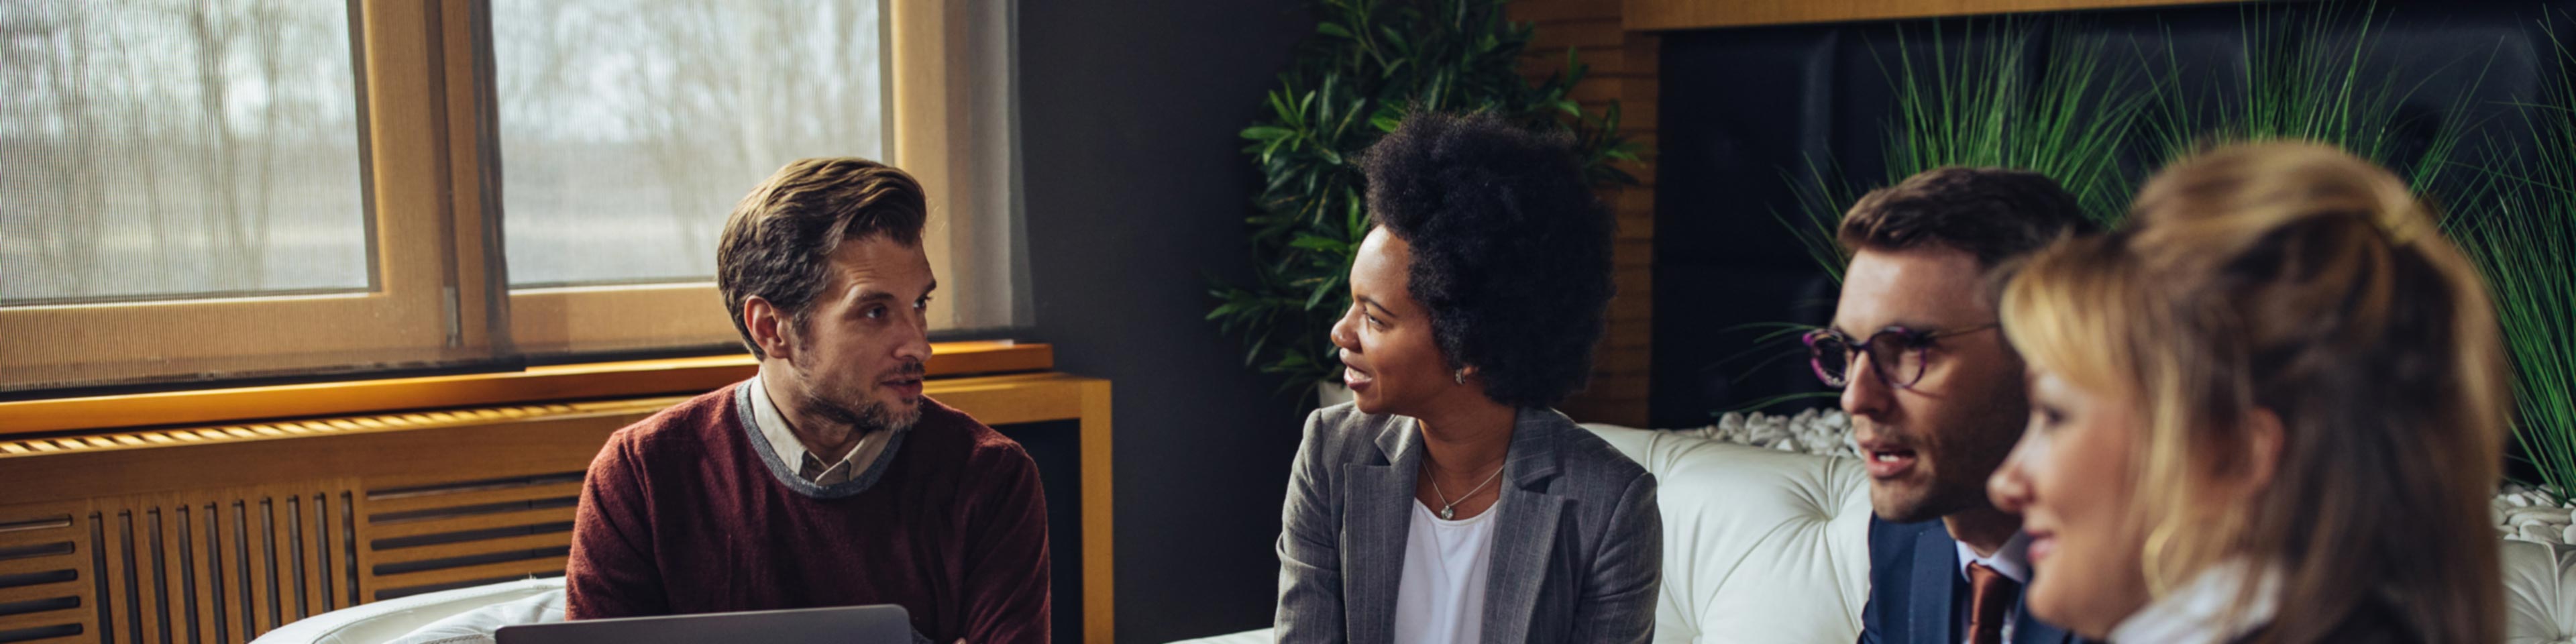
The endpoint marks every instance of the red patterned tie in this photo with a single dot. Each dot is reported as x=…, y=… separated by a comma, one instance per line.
x=1991, y=594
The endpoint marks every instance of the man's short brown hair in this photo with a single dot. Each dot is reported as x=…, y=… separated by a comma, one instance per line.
x=779, y=240
x=1993, y=213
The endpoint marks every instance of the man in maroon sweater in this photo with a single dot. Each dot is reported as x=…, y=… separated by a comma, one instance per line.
x=828, y=479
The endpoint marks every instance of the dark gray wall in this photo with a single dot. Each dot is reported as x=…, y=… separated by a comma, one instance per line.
x=1136, y=192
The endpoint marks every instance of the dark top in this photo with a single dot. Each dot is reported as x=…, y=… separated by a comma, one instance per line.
x=1917, y=596
x=684, y=512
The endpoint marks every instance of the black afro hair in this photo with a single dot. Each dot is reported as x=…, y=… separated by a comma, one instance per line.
x=1511, y=251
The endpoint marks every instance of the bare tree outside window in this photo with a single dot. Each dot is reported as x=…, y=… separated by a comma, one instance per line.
x=166, y=149
x=629, y=128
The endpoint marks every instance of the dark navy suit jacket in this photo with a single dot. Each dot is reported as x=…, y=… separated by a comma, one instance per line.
x=1917, y=596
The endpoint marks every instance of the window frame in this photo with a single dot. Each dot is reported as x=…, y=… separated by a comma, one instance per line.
x=923, y=44
x=440, y=299
x=427, y=256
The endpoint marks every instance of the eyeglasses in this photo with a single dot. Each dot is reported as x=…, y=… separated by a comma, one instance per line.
x=1897, y=353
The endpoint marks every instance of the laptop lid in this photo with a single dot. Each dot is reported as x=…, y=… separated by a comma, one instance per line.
x=880, y=624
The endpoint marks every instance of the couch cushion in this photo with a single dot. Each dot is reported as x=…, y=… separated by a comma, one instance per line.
x=1762, y=545
x=2539, y=593
x=1767, y=545
x=376, y=622
x=478, y=625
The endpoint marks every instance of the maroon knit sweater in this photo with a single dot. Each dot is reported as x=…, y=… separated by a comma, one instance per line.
x=680, y=514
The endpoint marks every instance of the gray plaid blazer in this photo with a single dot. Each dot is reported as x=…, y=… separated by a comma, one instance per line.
x=1578, y=556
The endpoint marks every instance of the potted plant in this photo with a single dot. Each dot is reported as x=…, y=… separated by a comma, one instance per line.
x=2302, y=78
x=2520, y=235
x=1368, y=64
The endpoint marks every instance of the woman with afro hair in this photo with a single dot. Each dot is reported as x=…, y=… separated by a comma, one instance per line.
x=1449, y=502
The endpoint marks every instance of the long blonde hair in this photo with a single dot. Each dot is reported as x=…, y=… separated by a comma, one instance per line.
x=2297, y=279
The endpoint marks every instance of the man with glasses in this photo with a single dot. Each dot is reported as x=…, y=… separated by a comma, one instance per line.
x=1936, y=397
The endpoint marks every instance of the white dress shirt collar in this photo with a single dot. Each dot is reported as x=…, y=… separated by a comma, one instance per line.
x=2013, y=560
x=791, y=451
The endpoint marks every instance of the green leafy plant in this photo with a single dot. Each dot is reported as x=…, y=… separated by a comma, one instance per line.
x=1369, y=63
x=2073, y=113
x=2021, y=93
x=2522, y=246
x=1992, y=103
x=2306, y=78
x=2520, y=231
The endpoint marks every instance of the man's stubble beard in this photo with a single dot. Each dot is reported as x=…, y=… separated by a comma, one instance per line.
x=1961, y=486
x=867, y=416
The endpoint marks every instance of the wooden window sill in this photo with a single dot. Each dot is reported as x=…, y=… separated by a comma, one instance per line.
x=536, y=384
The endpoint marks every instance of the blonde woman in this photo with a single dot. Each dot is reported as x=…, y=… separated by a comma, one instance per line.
x=2269, y=411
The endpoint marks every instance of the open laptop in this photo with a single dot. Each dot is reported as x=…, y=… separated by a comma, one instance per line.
x=882, y=624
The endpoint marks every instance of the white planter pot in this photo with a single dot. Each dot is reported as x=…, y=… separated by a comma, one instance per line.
x=1328, y=394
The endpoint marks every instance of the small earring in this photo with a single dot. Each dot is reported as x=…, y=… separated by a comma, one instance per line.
x=1460, y=375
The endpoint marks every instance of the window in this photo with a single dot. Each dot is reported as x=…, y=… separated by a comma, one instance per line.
x=139, y=179
x=221, y=190
x=200, y=191
x=629, y=131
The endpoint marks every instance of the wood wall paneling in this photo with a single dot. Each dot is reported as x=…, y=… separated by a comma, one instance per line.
x=1621, y=68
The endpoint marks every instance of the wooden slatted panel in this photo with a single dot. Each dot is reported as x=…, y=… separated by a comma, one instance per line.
x=354, y=551
x=286, y=516
x=330, y=553
x=497, y=493
x=224, y=553
x=496, y=520
x=207, y=560
x=477, y=574
x=258, y=531
x=39, y=590
x=312, y=556
x=155, y=556
x=151, y=614
x=232, y=545
x=428, y=537
x=186, y=570
x=32, y=529
x=43, y=626
x=214, y=565
x=416, y=554
x=118, y=621
x=16, y=567
x=45, y=586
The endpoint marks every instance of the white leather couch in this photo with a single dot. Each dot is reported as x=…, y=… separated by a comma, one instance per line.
x=459, y=616
x=1762, y=546
x=1767, y=546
